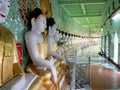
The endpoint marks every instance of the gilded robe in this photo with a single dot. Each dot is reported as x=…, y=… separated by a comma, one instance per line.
x=9, y=64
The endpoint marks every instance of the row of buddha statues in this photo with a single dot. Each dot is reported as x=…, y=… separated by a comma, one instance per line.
x=67, y=41
x=46, y=62
x=47, y=68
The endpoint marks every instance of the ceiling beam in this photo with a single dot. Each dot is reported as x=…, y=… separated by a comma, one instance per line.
x=83, y=9
x=84, y=12
x=92, y=15
x=81, y=2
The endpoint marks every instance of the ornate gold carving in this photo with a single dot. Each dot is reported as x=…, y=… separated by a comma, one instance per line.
x=26, y=6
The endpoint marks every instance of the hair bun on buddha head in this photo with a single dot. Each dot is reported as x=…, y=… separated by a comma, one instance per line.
x=35, y=13
x=50, y=21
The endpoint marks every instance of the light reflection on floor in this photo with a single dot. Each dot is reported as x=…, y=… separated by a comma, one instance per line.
x=104, y=79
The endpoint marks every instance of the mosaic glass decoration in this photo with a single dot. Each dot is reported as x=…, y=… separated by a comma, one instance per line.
x=17, y=22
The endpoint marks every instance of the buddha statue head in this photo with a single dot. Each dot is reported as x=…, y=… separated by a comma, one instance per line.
x=51, y=26
x=4, y=9
x=38, y=20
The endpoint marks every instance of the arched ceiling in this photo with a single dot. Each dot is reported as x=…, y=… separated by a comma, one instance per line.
x=87, y=13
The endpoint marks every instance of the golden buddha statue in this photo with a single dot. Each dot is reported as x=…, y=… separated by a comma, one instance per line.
x=37, y=44
x=8, y=53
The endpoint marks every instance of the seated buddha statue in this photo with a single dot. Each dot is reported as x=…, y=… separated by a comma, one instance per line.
x=12, y=76
x=52, y=46
x=37, y=46
x=52, y=39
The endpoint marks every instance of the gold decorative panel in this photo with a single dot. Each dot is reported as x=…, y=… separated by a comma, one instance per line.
x=46, y=7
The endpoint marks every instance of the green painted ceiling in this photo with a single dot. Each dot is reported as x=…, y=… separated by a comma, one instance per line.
x=87, y=13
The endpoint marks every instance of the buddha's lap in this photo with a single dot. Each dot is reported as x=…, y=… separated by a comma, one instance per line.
x=46, y=74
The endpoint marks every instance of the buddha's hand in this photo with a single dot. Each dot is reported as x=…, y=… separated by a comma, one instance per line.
x=53, y=70
x=52, y=60
x=49, y=58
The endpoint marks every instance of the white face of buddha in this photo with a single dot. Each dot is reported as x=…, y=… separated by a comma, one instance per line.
x=53, y=30
x=4, y=9
x=41, y=23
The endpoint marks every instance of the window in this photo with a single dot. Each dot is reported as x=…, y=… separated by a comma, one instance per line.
x=113, y=4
